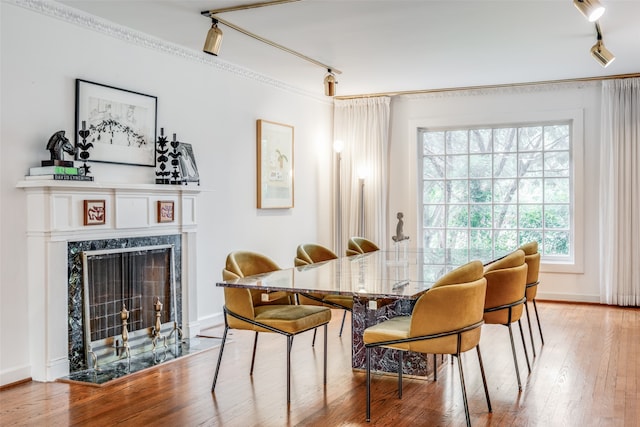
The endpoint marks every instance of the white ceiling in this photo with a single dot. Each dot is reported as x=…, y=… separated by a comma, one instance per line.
x=398, y=45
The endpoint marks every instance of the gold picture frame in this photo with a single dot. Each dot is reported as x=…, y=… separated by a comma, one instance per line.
x=166, y=212
x=275, y=165
x=94, y=212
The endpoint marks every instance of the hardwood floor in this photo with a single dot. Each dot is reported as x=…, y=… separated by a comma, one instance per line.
x=587, y=374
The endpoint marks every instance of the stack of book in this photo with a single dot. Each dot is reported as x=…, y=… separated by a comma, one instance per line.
x=62, y=170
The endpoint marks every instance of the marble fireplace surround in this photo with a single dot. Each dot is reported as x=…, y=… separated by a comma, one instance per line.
x=55, y=217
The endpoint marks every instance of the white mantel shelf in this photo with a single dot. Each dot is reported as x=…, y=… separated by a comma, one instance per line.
x=55, y=216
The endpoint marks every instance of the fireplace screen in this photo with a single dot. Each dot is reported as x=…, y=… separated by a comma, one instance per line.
x=129, y=300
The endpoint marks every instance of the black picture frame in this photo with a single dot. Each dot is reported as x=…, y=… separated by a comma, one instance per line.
x=121, y=123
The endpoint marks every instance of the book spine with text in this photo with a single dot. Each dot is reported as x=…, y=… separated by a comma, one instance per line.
x=60, y=177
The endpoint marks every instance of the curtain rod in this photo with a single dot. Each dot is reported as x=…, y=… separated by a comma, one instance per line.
x=452, y=89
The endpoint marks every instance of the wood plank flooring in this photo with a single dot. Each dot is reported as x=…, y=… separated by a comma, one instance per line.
x=587, y=374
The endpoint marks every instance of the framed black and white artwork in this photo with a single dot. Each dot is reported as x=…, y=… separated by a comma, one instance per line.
x=187, y=161
x=121, y=124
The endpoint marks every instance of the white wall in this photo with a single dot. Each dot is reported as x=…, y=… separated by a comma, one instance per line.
x=213, y=108
x=579, y=101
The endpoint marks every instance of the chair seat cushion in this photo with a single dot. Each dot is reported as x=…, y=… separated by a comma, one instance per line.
x=292, y=318
x=342, y=300
x=392, y=329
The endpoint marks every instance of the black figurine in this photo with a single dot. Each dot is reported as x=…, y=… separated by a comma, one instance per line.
x=58, y=143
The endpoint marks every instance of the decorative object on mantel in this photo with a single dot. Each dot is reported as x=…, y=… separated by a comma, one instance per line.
x=175, y=162
x=58, y=145
x=83, y=147
x=188, y=168
x=94, y=212
x=275, y=165
x=121, y=123
x=162, y=173
x=57, y=168
x=165, y=211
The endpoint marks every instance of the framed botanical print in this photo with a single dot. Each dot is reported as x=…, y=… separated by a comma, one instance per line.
x=275, y=165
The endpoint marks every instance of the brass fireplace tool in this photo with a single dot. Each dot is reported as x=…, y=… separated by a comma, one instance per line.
x=156, y=333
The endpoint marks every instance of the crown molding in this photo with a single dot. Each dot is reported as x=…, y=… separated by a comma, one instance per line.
x=120, y=32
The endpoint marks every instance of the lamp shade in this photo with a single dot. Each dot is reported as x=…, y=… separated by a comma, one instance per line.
x=591, y=9
x=602, y=54
x=214, y=40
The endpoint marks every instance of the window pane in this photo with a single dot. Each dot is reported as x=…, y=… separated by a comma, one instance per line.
x=433, y=192
x=434, y=240
x=505, y=165
x=480, y=190
x=433, y=167
x=556, y=243
x=457, y=242
x=530, y=190
x=530, y=138
x=556, y=216
x=556, y=190
x=504, y=140
x=530, y=164
x=527, y=236
x=458, y=216
x=480, y=141
x=506, y=241
x=505, y=216
x=556, y=137
x=457, y=166
x=457, y=191
x=480, y=165
x=457, y=142
x=530, y=216
x=480, y=216
x=433, y=143
x=557, y=163
x=504, y=190
x=433, y=216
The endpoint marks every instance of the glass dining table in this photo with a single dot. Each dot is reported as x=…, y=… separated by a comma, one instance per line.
x=383, y=284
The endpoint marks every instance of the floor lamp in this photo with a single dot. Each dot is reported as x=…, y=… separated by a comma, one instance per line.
x=338, y=147
x=361, y=224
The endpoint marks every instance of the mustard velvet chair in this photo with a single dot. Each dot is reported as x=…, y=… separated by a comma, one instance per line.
x=360, y=245
x=311, y=253
x=505, y=299
x=447, y=319
x=245, y=310
x=532, y=258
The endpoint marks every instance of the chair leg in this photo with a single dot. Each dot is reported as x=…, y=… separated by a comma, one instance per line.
x=325, y=354
x=215, y=376
x=464, y=391
x=515, y=359
x=253, y=356
x=533, y=346
x=400, y=352
x=484, y=379
x=289, y=345
x=535, y=307
x=344, y=315
x=435, y=367
x=524, y=345
x=368, y=365
x=313, y=343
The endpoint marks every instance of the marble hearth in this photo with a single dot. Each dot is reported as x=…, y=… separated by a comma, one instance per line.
x=55, y=229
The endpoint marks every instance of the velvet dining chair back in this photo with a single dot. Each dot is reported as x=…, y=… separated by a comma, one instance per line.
x=360, y=245
x=532, y=258
x=505, y=299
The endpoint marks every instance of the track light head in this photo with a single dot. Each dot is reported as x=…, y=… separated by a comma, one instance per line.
x=591, y=9
x=330, y=83
x=214, y=39
x=602, y=54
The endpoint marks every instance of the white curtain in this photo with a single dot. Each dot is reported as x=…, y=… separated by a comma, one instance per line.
x=620, y=193
x=363, y=127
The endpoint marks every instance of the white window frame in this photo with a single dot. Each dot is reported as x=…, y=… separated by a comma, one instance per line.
x=576, y=123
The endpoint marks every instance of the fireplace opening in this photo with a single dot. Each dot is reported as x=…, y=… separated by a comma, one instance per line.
x=129, y=301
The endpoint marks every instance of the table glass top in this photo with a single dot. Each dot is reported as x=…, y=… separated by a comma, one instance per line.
x=377, y=274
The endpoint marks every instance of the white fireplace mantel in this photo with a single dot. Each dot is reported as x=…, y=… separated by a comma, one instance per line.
x=55, y=216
